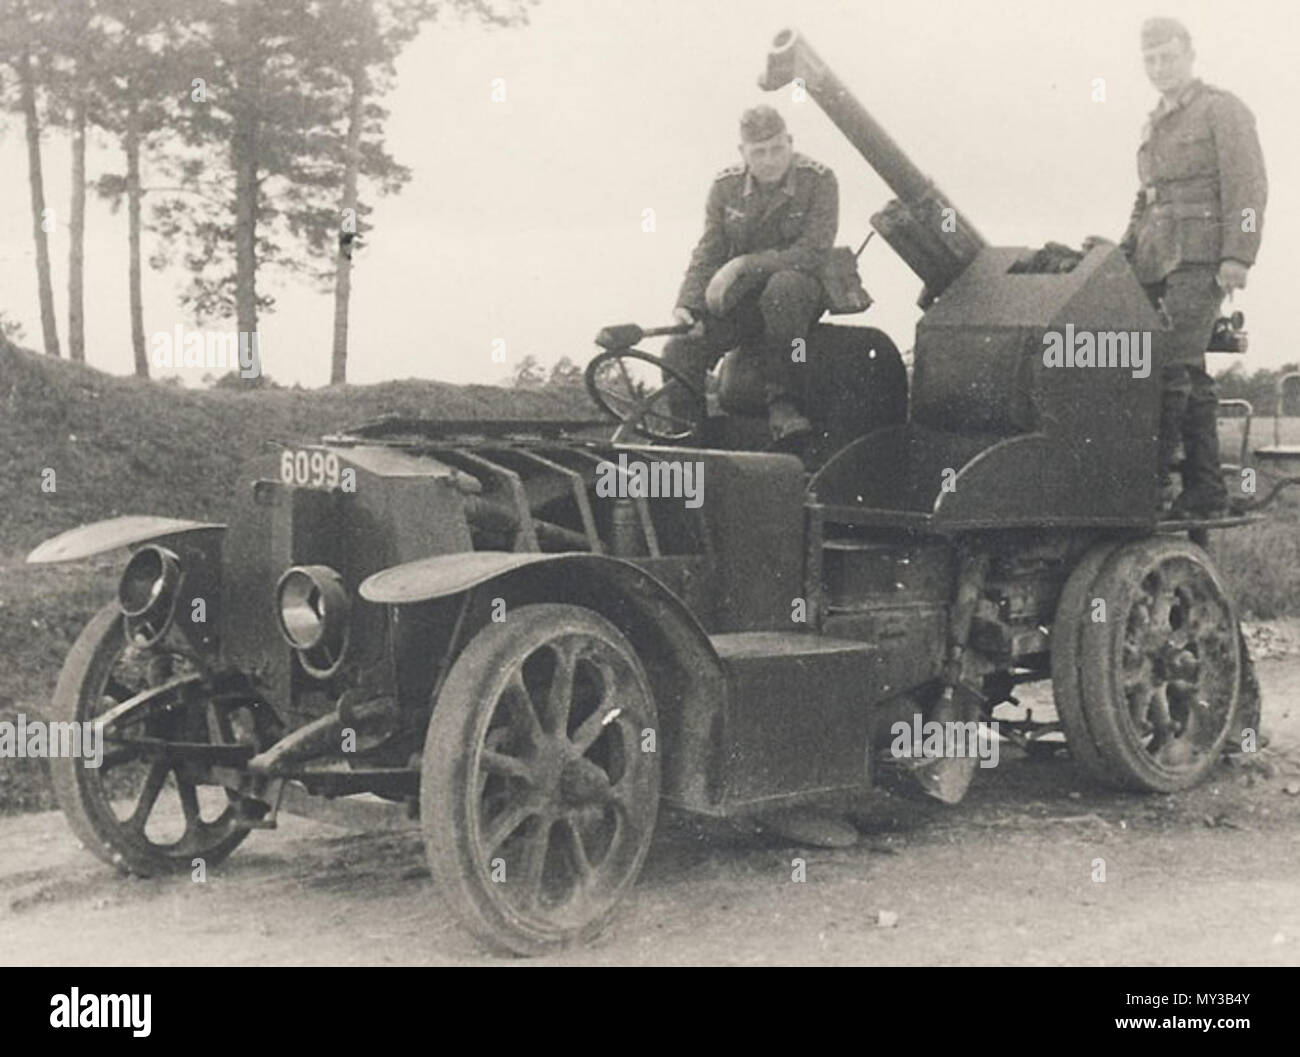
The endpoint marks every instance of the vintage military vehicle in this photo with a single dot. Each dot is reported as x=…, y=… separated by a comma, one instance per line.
x=493, y=627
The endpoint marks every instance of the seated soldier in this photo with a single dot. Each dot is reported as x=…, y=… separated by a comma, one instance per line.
x=753, y=277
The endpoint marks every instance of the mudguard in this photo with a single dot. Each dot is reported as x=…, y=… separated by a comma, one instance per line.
x=449, y=574
x=100, y=536
x=445, y=574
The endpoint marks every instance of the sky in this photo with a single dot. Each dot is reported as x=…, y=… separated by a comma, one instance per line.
x=525, y=221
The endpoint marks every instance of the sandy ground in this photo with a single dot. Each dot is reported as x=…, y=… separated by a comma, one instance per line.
x=1006, y=878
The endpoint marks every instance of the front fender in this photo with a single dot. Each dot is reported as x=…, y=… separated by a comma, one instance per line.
x=444, y=575
x=100, y=536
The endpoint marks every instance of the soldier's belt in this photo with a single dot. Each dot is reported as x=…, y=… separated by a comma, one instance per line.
x=1185, y=210
x=1163, y=194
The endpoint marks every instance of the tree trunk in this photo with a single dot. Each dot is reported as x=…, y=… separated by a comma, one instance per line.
x=245, y=239
x=131, y=143
x=77, y=228
x=343, y=277
x=49, y=326
x=244, y=157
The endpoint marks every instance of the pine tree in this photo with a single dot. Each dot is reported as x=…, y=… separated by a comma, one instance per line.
x=24, y=26
x=139, y=68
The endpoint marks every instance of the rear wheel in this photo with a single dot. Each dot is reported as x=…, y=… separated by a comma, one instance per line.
x=1072, y=611
x=1160, y=677
x=536, y=800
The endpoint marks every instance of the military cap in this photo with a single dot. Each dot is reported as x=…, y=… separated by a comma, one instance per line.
x=1156, y=31
x=759, y=123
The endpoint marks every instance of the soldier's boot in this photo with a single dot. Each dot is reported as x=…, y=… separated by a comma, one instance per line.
x=789, y=304
x=1204, y=494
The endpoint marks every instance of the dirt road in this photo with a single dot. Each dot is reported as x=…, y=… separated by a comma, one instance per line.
x=1007, y=877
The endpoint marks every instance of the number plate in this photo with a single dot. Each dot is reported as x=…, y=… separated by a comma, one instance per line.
x=310, y=469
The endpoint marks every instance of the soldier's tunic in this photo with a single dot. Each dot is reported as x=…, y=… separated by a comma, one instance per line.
x=1201, y=202
x=787, y=228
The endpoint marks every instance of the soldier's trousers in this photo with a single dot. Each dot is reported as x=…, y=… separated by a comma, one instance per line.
x=1188, y=401
x=767, y=321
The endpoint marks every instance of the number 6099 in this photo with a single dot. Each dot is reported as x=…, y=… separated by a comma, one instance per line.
x=312, y=469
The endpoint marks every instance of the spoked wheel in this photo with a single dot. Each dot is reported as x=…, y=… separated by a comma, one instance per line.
x=536, y=799
x=639, y=391
x=1160, y=678
x=139, y=810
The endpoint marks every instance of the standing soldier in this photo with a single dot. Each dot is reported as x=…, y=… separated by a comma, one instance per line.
x=753, y=277
x=1194, y=232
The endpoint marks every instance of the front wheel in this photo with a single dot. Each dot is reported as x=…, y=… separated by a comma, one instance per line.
x=142, y=810
x=537, y=800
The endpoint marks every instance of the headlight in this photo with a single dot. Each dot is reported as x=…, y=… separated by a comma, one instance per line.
x=312, y=607
x=147, y=593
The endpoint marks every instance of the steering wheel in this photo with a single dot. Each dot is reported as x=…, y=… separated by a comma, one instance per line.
x=640, y=405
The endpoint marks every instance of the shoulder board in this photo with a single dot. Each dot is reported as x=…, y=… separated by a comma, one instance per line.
x=1223, y=93
x=731, y=170
x=1233, y=101
x=802, y=161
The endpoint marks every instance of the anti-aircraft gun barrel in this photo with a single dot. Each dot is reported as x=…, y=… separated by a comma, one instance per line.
x=924, y=228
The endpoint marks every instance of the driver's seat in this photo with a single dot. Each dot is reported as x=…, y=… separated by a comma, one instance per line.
x=856, y=383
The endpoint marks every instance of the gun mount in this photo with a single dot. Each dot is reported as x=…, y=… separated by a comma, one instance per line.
x=922, y=225
x=986, y=404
